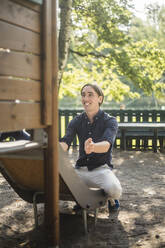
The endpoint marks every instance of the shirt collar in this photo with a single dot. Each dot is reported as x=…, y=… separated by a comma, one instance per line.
x=97, y=116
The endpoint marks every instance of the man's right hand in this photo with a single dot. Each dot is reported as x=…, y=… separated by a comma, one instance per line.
x=89, y=146
x=64, y=146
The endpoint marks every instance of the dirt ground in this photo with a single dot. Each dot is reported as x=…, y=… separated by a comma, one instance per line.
x=139, y=223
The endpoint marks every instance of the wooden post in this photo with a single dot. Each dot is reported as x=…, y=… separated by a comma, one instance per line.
x=51, y=167
x=47, y=64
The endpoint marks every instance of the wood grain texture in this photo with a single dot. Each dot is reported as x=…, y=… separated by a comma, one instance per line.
x=20, y=39
x=47, y=63
x=22, y=16
x=20, y=65
x=17, y=116
x=24, y=90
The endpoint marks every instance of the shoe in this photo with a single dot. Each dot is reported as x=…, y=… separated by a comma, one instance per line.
x=113, y=208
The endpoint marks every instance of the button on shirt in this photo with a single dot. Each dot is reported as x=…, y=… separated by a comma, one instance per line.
x=103, y=128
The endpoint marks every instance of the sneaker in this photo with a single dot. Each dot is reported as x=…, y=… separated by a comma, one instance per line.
x=113, y=208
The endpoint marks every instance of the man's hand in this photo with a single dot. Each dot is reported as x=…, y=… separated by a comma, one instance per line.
x=89, y=146
x=99, y=147
x=64, y=146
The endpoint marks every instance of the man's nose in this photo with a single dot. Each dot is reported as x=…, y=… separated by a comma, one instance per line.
x=85, y=97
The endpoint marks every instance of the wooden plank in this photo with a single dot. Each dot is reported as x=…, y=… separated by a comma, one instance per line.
x=29, y=4
x=19, y=15
x=47, y=64
x=52, y=165
x=12, y=89
x=20, y=65
x=20, y=39
x=17, y=116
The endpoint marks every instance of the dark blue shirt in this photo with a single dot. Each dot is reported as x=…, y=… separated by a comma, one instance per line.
x=103, y=128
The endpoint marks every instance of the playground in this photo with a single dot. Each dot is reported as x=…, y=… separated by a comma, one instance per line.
x=139, y=223
x=32, y=62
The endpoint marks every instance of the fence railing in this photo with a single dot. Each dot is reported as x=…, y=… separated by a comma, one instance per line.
x=122, y=116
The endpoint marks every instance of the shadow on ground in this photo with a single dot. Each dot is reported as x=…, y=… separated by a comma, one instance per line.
x=140, y=222
x=107, y=233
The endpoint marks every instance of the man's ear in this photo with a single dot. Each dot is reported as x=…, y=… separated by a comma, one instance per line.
x=100, y=99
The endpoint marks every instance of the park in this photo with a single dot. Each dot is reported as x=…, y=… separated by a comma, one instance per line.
x=47, y=52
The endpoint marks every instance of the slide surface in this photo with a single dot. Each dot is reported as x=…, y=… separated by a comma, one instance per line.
x=18, y=145
x=87, y=198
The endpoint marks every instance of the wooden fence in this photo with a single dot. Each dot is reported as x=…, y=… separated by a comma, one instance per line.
x=139, y=141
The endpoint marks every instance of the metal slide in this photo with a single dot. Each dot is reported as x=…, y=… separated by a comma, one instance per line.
x=87, y=198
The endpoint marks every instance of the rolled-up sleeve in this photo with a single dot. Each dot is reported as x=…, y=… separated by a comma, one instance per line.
x=70, y=133
x=111, y=128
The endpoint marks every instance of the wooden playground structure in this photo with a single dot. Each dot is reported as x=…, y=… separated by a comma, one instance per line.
x=29, y=100
x=28, y=85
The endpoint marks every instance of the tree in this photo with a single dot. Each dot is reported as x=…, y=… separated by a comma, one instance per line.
x=152, y=28
x=156, y=19
x=64, y=34
x=153, y=31
x=102, y=49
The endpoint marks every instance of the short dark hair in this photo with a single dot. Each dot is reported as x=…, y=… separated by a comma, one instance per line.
x=96, y=88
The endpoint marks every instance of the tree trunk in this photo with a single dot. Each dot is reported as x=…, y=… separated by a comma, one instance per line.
x=64, y=35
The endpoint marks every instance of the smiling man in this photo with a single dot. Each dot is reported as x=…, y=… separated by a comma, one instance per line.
x=96, y=131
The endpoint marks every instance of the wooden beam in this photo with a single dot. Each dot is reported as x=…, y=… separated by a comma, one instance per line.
x=51, y=168
x=47, y=64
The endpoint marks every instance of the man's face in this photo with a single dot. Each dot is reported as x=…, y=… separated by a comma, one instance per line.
x=90, y=99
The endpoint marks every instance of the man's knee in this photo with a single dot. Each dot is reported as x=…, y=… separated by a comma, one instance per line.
x=114, y=191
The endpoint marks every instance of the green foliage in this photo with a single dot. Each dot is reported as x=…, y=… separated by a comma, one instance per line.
x=153, y=28
x=103, y=19
x=74, y=78
x=144, y=65
x=125, y=58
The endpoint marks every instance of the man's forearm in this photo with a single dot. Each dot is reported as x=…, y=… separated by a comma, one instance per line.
x=101, y=147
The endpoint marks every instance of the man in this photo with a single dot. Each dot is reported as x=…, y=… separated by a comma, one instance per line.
x=96, y=132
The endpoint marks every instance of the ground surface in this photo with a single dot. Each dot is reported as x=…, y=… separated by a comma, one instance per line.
x=140, y=222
